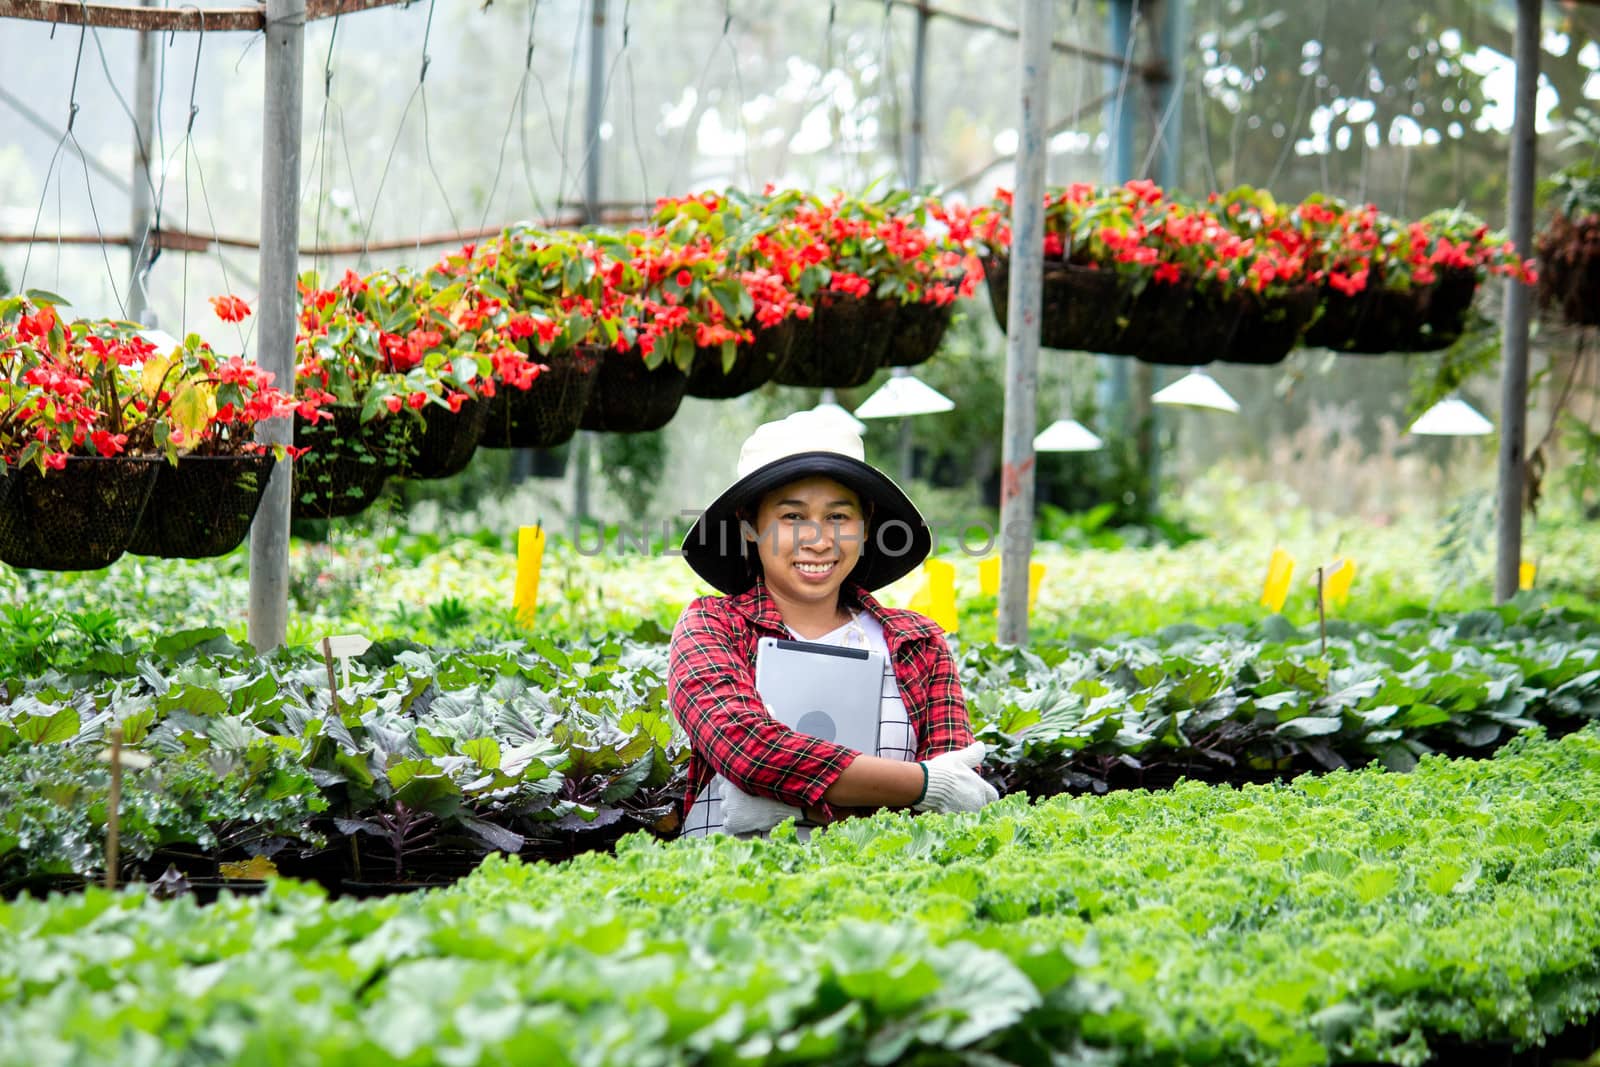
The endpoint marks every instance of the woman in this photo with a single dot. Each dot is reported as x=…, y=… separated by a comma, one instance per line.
x=796, y=543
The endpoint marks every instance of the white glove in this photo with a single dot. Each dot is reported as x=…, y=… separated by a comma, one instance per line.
x=954, y=783
x=743, y=813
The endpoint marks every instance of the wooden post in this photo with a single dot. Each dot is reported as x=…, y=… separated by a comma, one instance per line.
x=1518, y=307
x=333, y=683
x=278, y=307
x=1022, y=339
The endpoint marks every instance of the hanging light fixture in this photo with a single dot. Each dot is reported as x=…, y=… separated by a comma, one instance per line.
x=163, y=340
x=832, y=406
x=1067, y=435
x=1452, y=417
x=1197, y=389
x=903, y=395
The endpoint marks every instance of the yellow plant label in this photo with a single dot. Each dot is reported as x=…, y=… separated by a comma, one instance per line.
x=1280, y=568
x=530, y=558
x=1336, y=579
x=989, y=579
x=937, y=596
x=1525, y=574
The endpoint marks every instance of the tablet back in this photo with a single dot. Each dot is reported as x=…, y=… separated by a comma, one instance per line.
x=822, y=690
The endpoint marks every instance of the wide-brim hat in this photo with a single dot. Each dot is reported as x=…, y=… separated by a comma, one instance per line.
x=804, y=445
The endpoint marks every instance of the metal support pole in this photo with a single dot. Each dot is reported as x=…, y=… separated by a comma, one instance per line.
x=1119, y=121
x=1022, y=313
x=919, y=130
x=277, y=307
x=139, y=206
x=1168, y=94
x=594, y=115
x=1514, y=342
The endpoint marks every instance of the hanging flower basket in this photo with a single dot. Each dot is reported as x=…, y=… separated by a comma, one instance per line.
x=443, y=445
x=843, y=343
x=347, y=464
x=1375, y=321
x=203, y=506
x=630, y=397
x=1197, y=332
x=1569, y=270
x=1269, y=328
x=754, y=364
x=1081, y=306
x=78, y=518
x=548, y=412
x=918, y=329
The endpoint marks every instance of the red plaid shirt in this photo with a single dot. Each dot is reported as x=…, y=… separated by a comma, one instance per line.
x=711, y=683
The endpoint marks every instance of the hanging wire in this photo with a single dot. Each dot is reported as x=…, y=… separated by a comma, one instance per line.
x=522, y=113
x=319, y=158
x=72, y=115
x=1238, y=116
x=1415, y=82
x=738, y=89
x=94, y=211
x=427, y=136
x=1366, y=142
x=1135, y=18
x=517, y=109
x=566, y=115
x=887, y=77
x=418, y=90
x=244, y=334
x=1306, y=84
x=188, y=147
x=697, y=108
x=646, y=201
x=1204, y=112
x=592, y=147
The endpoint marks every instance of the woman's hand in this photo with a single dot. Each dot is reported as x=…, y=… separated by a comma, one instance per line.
x=954, y=783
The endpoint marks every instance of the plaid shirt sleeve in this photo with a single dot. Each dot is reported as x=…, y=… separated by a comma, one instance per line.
x=940, y=715
x=711, y=689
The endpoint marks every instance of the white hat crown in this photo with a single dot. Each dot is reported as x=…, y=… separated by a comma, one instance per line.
x=804, y=431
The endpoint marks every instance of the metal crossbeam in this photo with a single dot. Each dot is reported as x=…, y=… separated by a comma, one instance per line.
x=249, y=19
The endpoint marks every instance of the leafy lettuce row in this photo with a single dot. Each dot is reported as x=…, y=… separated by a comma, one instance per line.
x=1356, y=916
x=547, y=748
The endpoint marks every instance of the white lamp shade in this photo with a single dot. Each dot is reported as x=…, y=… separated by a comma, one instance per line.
x=1067, y=435
x=831, y=407
x=1452, y=417
x=1197, y=389
x=163, y=340
x=903, y=395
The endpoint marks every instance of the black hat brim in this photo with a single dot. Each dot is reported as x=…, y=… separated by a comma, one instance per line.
x=897, y=538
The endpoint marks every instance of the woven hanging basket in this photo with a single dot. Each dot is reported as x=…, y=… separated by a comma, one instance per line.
x=843, y=343
x=1269, y=329
x=79, y=518
x=755, y=363
x=203, y=506
x=918, y=329
x=1379, y=320
x=347, y=464
x=445, y=442
x=548, y=412
x=1082, y=309
x=632, y=398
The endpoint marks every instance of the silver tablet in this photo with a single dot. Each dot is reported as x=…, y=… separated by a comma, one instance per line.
x=823, y=690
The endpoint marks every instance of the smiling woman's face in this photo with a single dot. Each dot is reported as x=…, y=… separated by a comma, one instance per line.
x=809, y=537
